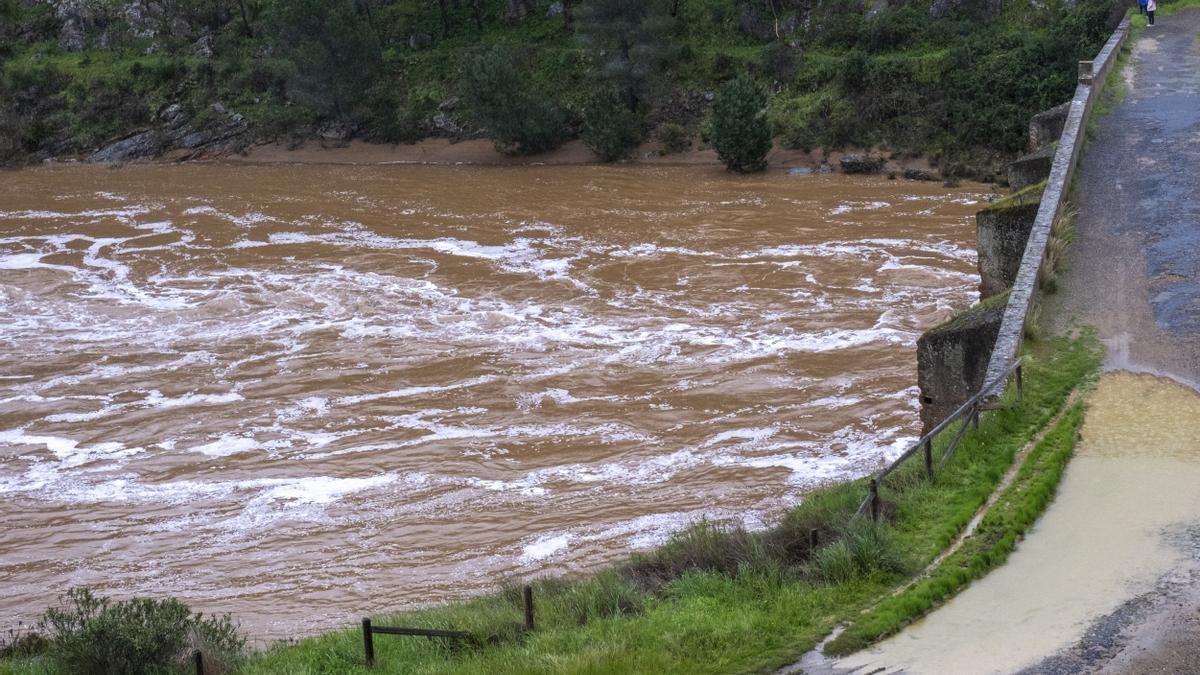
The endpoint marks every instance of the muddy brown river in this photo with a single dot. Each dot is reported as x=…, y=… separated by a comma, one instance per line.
x=303, y=393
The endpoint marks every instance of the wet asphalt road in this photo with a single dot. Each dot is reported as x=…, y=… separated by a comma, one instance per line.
x=1134, y=268
x=1134, y=273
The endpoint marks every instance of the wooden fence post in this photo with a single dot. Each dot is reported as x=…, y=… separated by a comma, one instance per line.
x=1020, y=383
x=814, y=538
x=529, y=625
x=368, y=642
x=874, y=500
x=198, y=659
x=975, y=418
x=929, y=458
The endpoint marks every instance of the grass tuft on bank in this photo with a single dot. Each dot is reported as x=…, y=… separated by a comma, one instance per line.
x=717, y=598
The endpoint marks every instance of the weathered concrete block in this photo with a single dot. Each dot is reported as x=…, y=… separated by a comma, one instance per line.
x=1047, y=127
x=952, y=359
x=1002, y=230
x=1032, y=168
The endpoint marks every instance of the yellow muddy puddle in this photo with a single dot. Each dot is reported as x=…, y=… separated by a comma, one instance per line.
x=1101, y=543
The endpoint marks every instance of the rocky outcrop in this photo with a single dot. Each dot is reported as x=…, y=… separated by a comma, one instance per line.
x=1002, y=230
x=1032, y=168
x=952, y=359
x=861, y=164
x=217, y=131
x=919, y=174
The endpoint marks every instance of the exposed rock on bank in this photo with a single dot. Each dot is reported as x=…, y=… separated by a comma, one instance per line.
x=215, y=131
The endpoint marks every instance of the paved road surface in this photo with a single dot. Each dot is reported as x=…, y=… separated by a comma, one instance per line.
x=1134, y=269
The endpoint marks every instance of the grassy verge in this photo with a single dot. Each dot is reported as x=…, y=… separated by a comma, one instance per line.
x=986, y=549
x=716, y=599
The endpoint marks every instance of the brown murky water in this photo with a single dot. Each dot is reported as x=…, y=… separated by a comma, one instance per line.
x=302, y=393
x=1116, y=529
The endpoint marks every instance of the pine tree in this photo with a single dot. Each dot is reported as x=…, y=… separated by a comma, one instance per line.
x=740, y=131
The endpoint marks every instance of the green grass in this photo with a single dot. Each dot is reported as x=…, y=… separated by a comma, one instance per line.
x=987, y=548
x=717, y=599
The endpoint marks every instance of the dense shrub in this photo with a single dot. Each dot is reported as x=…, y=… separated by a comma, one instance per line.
x=609, y=128
x=517, y=118
x=90, y=634
x=675, y=138
x=778, y=60
x=740, y=131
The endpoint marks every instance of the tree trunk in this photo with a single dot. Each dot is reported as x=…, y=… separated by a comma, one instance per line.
x=245, y=19
x=569, y=18
x=445, y=18
x=478, y=14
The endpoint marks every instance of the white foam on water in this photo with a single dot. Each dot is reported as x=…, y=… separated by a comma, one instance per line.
x=545, y=546
x=409, y=392
x=155, y=399
x=847, y=207
x=226, y=445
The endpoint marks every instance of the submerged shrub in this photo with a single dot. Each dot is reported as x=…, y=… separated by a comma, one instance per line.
x=518, y=118
x=674, y=138
x=90, y=634
x=740, y=131
x=610, y=129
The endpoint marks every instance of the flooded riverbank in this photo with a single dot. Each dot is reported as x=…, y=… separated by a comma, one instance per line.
x=302, y=393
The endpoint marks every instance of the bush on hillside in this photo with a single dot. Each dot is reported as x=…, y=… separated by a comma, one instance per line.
x=740, y=131
x=92, y=635
x=609, y=128
x=502, y=99
x=674, y=138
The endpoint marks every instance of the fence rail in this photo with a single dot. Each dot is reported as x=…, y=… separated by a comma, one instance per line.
x=369, y=631
x=968, y=413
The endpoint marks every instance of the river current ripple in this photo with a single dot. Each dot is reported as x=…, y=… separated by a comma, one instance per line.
x=303, y=393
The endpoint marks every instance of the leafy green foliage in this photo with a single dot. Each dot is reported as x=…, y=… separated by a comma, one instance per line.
x=333, y=51
x=631, y=41
x=517, y=117
x=740, y=131
x=675, y=138
x=958, y=89
x=610, y=129
x=91, y=635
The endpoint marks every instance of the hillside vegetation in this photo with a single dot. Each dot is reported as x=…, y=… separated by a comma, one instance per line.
x=955, y=80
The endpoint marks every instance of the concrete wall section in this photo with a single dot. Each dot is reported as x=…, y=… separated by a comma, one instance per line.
x=952, y=360
x=1091, y=80
x=1002, y=231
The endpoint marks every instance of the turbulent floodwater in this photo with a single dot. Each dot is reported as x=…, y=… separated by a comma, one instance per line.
x=300, y=394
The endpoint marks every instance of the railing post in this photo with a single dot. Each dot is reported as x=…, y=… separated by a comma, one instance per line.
x=975, y=417
x=1086, y=72
x=814, y=538
x=1020, y=382
x=529, y=625
x=874, y=500
x=368, y=642
x=198, y=659
x=929, y=458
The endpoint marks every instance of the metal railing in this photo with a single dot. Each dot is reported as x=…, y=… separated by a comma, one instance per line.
x=968, y=412
x=369, y=631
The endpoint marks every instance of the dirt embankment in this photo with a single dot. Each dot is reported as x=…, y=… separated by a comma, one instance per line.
x=483, y=152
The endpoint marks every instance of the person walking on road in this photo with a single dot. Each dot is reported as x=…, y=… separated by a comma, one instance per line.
x=1151, y=5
